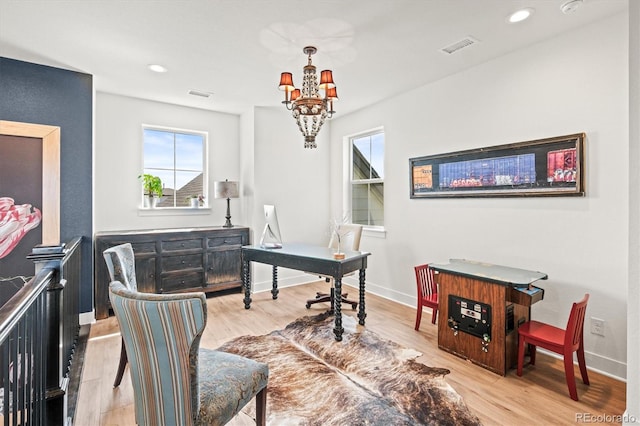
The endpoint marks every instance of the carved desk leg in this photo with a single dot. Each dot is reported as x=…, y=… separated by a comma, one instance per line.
x=274, y=289
x=361, y=313
x=338, y=330
x=246, y=283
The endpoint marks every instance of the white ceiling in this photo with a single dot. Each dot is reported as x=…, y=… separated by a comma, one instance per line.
x=236, y=49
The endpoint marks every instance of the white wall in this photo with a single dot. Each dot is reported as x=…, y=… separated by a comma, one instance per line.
x=118, y=153
x=294, y=179
x=633, y=314
x=573, y=83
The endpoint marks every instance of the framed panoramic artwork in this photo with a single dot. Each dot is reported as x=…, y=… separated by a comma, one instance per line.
x=544, y=167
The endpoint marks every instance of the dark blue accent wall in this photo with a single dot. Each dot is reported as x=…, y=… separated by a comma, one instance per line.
x=33, y=93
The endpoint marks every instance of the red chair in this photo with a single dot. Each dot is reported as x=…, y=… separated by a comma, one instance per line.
x=563, y=342
x=427, y=293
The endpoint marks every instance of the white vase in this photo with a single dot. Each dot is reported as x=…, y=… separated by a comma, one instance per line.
x=194, y=202
x=150, y=202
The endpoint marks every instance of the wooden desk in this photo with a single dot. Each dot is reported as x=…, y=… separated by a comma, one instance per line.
x=308, y=258
x=481, y=307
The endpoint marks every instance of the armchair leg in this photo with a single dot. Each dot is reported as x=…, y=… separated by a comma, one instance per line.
x=261, y=407
x=434, y=315
x=121, y=366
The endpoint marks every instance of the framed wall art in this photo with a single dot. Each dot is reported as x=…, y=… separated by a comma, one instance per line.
x=544, y=167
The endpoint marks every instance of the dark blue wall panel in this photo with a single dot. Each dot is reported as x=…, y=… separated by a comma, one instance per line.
x=40, y=94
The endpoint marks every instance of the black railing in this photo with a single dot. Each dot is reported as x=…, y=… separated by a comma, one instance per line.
x=39, y=328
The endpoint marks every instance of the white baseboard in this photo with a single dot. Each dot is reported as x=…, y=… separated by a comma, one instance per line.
x=600, y=364
x=263, y=286
x=87, y=318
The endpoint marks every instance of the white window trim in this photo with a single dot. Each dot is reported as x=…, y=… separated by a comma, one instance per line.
x=347, y=153
x=181, y=210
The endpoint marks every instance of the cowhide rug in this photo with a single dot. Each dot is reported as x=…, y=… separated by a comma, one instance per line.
x=363, y=380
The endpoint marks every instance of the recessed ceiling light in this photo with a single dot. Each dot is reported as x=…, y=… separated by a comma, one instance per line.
x=520, y=15
x=157, y=68
x=570, y=6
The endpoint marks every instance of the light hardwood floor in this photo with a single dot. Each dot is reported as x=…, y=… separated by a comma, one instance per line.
x=539, y=397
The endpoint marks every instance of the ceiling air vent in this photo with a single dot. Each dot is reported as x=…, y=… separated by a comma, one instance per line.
x=199, y=93
x=459, y=45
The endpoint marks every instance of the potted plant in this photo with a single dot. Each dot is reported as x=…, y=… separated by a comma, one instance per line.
x=152, y=187
x=196, y=200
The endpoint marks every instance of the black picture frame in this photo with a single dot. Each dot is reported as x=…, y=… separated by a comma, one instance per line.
x=544, y=167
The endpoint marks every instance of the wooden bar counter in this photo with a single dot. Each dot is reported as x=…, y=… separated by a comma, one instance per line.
x=481, y=308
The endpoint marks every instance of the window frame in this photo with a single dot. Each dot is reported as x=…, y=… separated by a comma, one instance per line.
x=349, y=182
x=171, y=210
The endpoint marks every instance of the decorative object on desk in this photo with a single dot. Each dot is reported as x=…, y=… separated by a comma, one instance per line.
x=228, y=190
x=152, y=189
x=310, y=110
x=348, y=235
x=339, y=230
x=367, y=379
x=544, y=167
x=271, y=237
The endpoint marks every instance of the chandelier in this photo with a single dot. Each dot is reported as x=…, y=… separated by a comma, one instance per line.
x=309, y=109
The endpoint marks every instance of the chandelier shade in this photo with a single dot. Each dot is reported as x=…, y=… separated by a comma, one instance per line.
x=309, y=107
x=286, y=82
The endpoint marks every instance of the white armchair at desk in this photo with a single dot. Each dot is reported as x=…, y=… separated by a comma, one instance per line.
x=350, y=235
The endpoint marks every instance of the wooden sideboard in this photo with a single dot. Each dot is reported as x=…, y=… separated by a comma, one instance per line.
x=174, y=260
x=481, y=307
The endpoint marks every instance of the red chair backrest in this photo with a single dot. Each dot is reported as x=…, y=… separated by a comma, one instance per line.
x=575, y=325
x=425, y=281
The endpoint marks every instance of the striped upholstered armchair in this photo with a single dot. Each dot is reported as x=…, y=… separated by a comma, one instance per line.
x=175, y=382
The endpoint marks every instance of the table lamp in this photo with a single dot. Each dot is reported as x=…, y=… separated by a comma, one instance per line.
x=228, y=190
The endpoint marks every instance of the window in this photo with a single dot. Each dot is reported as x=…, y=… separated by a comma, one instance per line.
x=177, y=158
x=367, y=178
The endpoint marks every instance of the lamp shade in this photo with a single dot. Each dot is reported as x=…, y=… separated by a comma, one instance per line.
x=332, y=93
x=326, y=80
x=286, y=82
x=225, y=189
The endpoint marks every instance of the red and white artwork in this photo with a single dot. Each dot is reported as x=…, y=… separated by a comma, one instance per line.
x=15, y=222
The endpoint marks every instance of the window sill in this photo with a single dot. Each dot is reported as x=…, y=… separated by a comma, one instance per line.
x=174, y=211
x=375, y=232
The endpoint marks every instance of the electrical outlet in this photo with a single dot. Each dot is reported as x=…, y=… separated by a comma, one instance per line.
x=597, y=326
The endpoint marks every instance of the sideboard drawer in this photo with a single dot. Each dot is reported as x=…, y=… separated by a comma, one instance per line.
x=176, y=245
x=181, y=281
x=177, y=263
x=144, y=247
x=229, y=240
